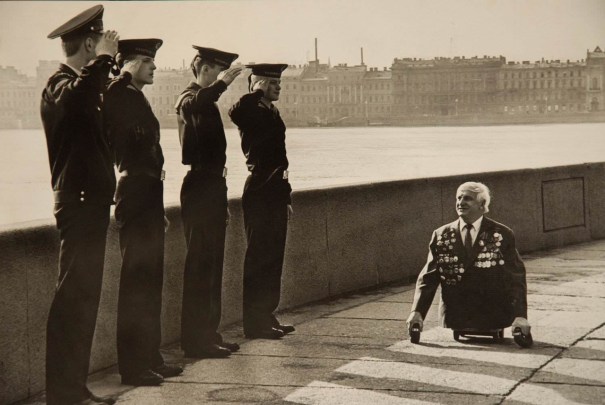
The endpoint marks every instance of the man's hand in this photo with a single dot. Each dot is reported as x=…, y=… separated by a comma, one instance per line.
x=262, y=85
x=290, y=212
x=108, y=44
x=166, y=224
x=230, y=74
x=414, y=317
x=523, y=324
x=228, y=217
x=132, y=66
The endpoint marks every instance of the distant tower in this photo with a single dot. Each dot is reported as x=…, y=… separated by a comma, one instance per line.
x=362, y=64
x=316, y=59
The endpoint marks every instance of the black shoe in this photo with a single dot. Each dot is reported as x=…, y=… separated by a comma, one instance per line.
x=166, y=370
x=232, y=347
x=286, y=328
x=212, y=351
x=146, y=378
x=270, y=333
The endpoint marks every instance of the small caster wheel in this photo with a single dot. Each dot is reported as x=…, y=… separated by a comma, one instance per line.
x=415, y=333
x=522, y=340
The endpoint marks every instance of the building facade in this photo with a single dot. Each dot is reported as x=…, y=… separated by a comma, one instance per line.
x=459, y=89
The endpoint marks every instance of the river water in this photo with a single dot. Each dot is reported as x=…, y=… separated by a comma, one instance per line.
x=324, y=157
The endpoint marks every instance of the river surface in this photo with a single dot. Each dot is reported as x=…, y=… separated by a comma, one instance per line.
x=324, y=157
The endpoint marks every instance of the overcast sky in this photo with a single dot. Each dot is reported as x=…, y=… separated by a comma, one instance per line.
x=284, y=30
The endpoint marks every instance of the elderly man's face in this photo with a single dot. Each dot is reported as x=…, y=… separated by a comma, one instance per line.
x=468, y=207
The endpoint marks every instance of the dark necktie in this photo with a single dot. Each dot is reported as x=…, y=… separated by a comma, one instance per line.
x=468, y=240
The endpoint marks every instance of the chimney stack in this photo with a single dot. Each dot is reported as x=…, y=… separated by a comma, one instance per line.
x=362, y=56
x=316, y=59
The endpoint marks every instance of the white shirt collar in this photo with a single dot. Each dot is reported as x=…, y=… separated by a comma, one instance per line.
x=476, y=224
x=76, y=71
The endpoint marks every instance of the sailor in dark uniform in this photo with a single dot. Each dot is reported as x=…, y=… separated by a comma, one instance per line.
x=83, y=183
x=134, y=133
x=475, y=261
x=204, y=202
x=266, y=200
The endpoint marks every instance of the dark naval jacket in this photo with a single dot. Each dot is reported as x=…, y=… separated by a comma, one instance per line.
x=132, y=128
x=484, y=291
x=263, y=141
x=201, y=131
x=78, y=151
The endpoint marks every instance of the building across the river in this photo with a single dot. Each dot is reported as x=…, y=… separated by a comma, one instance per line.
x=457, y=90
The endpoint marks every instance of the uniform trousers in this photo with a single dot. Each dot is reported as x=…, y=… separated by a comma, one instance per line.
x=204, y=214
x=140, y=216
x=266, y=223
x=73, y=312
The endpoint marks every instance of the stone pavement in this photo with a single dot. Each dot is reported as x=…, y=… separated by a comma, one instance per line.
x=355, y=350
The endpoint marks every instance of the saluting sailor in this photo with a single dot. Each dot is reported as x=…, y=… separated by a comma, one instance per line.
x=134, y=133
x=266, y=200
x=475, y=260
x=83, y=183
x=204, y=201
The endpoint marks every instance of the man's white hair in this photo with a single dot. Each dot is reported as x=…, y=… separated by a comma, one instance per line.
x=480, y=189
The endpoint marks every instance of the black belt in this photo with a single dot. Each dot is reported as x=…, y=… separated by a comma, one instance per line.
x=221, y=172
x=161, y=174
x=62, y=196
x=283, y=174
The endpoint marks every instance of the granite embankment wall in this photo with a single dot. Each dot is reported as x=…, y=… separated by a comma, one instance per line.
x=341, y=239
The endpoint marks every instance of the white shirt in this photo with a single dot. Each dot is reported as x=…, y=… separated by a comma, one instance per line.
x=474, y=231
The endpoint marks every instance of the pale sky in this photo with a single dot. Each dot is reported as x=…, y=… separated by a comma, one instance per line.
x=284, y=30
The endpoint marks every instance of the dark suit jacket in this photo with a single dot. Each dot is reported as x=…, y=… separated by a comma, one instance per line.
x=484, y=291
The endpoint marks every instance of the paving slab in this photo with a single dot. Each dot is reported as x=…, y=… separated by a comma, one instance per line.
x=345, y=327
x=377, y=310
x=540, y=394
x=323, y=393
x=565, y=303
x=576, y=371
x=589, y=349
x=597, y=334
x=486, y=380
x=330, y=347
x=190, y=394
x=506, y=354
x=591, y=287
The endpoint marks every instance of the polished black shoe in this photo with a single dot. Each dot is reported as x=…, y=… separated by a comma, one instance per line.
x=286, y=328
x=270, y=333
x=167, y=370
x=146, y=378
x=208, y=352
x=231, y=346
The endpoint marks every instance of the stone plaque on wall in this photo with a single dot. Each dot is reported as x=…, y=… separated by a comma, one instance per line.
x=563, y=203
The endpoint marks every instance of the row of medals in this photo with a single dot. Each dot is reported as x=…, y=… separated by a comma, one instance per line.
x=453, y=271
x=486, y=260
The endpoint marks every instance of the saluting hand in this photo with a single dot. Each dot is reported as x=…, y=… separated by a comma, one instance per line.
x=230, y=74
x=262, y=85
x=132, y=66
x=108, y=44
